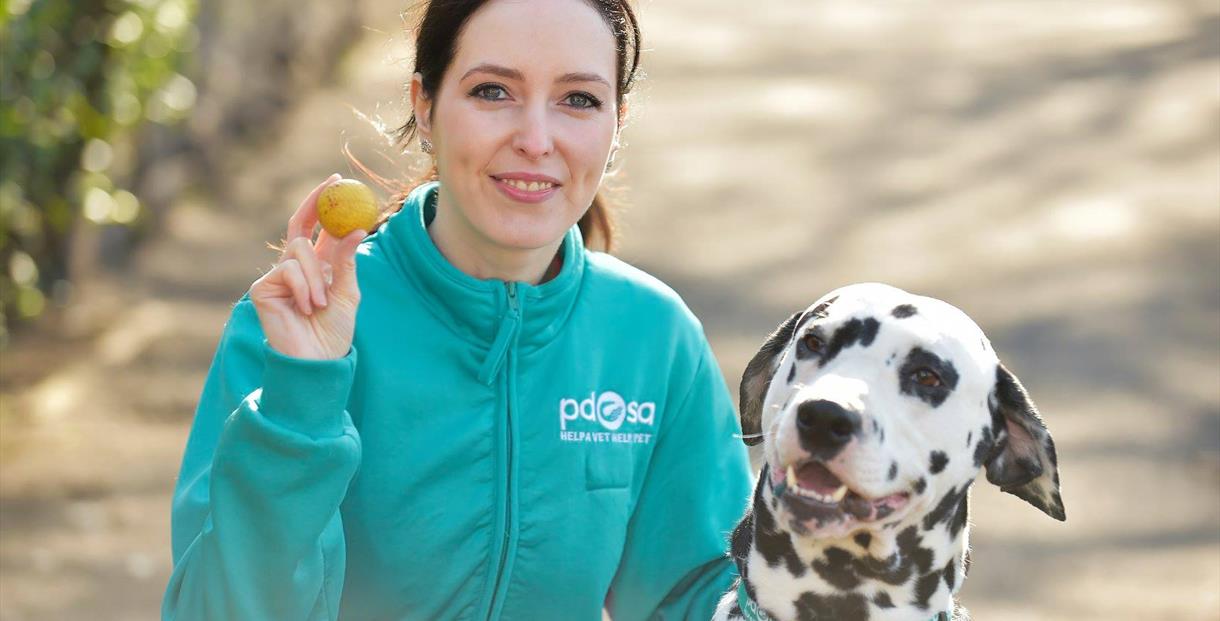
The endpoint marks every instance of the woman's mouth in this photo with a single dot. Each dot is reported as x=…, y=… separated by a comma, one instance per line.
x=526, y=188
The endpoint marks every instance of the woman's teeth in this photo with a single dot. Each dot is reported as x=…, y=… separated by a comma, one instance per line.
x=832, y=498
x=529, y=186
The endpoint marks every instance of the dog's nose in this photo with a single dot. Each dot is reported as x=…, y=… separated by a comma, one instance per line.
x=825, y=424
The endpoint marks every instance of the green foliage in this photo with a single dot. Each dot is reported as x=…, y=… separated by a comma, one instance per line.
x=77, y=81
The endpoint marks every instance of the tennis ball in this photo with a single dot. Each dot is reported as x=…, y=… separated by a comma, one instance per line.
x=347, y=205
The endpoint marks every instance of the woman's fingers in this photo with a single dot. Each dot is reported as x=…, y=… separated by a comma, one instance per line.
x=324, y=247
x=306, y=216
x=311, y=266
x=343, y=262
x=292, y=276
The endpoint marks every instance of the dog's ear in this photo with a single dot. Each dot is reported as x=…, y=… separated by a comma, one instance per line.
x=757, y=379
x=1023, y=461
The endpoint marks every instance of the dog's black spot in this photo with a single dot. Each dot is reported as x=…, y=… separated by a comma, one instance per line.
x=969, y=438
x=898, y=568
x=959, y=518
x=735, y=611
x=925, y=588
x=950, y=574
x=937, y=462
x=837, y=569
x=774, y=544
x=893, y=473
x=791, y=373
x=881, y=435
x=944, y=509
x=819, y=311
x=889, y=362
x=882, y=600
x=739, y=544
x=853, y=331
x=902, y=311
x=921, y=485
x=863, y=539
x=812, y=606
x=983, y=450
x=919, y=359
x=909, y=546
x=884, y=511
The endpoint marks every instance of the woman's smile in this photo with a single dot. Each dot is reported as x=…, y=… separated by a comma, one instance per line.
x=526, y=187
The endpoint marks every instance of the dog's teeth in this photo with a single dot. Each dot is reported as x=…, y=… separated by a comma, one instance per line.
x=839, y=493
x=791, y=475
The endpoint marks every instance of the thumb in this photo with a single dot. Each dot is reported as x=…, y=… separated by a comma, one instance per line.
x=344, y=261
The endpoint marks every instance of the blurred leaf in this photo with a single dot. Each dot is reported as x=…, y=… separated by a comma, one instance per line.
x=77, y=78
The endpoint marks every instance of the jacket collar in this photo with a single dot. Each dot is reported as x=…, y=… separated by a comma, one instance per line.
x=473, y=308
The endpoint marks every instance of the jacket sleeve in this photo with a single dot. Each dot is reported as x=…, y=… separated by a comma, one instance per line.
x=675, y=564
x=256, y=527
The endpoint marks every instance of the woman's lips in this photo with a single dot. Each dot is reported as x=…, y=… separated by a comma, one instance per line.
x=526, y=188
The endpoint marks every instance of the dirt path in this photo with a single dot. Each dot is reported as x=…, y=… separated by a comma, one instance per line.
x=1051, y=168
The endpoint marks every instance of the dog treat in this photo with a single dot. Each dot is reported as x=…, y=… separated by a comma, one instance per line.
x=347, y=205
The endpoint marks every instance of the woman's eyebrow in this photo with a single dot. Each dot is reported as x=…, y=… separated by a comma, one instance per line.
x=582, y=77
x=504, y=72
x=513, y=74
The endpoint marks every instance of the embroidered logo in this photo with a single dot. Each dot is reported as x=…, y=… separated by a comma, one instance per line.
x=602, y=417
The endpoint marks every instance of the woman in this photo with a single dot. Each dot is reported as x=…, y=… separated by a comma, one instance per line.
x=493, y=421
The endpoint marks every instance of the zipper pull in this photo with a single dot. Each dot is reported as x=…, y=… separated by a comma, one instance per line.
x=512, y=298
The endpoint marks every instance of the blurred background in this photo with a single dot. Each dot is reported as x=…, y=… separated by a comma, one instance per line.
x=1052, y=168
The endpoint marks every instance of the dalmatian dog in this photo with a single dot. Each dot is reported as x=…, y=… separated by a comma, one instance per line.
x=876, y=410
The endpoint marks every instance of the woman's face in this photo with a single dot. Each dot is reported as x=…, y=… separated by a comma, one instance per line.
x=523, y=121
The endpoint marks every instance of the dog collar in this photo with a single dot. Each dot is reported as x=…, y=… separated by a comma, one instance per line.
x=749, y=608
x=753, y=612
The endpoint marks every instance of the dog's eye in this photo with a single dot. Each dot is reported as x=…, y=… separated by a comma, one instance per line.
x=813, y=342
x=926, y=377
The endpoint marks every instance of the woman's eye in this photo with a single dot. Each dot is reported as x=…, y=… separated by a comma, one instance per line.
x=813, y=343
x=490, y=92
x=583, y=101
x=926, y=377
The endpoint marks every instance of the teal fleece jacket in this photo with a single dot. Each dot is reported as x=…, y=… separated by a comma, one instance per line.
x=487, y=450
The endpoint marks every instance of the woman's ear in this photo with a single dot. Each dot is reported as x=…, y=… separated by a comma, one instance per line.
x=421, y=103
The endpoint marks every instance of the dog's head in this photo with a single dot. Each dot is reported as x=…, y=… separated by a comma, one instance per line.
x=879, y=407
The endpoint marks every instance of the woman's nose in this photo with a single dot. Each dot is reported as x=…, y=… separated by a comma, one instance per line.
x=533, y=137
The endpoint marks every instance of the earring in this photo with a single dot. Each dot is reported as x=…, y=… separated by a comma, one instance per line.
x=426, y=145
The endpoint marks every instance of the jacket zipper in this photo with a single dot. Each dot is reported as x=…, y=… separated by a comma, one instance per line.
x=515, y=312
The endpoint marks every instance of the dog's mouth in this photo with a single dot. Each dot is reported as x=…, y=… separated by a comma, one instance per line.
x=813, y=492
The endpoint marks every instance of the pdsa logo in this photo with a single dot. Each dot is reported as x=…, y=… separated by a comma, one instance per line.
x=599, y=418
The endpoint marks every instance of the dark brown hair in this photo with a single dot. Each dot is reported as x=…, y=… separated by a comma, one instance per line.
x=436, y=36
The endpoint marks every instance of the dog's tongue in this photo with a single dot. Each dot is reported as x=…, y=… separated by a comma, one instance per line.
x=814, y=476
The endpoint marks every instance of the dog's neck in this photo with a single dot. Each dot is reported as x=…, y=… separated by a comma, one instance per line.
x=910, y=571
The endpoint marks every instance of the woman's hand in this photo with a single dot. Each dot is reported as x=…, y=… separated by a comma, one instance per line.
x=307, y=302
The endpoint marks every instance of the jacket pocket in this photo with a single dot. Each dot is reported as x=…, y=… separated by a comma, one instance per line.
x=608, y=466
